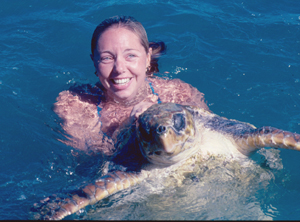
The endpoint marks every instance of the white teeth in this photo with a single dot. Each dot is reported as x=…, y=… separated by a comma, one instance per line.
x=121, y=81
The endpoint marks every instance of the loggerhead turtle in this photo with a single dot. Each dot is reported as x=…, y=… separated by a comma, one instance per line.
x=167, y=136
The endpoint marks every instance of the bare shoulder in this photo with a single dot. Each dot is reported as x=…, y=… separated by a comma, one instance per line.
x=75, y=103
x=178, y=91
x=158, y=81
x=174, y=84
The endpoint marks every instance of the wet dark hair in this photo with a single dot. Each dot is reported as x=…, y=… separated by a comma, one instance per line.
x=130, y=23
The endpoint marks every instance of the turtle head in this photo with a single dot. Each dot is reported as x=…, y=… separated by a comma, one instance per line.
x=166, y=133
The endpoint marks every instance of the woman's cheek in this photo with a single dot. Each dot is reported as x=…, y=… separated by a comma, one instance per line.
x=105, y=70
x=140, y=70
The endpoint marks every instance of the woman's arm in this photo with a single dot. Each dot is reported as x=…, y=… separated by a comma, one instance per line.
x=81, y=124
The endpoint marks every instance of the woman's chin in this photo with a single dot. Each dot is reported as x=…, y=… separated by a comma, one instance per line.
x=125, y=92
x=123, y=95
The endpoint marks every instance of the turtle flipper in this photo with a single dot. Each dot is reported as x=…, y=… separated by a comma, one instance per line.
x=267, y=137
x=55, y=208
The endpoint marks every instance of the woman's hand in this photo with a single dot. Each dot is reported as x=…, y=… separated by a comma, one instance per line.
x=139, y=109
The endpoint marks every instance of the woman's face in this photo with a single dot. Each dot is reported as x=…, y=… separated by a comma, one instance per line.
x=121, y=62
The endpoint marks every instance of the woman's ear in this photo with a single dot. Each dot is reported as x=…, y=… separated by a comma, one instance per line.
x=149, y=57
x=92, y=57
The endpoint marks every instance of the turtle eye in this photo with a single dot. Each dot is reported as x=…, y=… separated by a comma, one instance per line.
x=179, y=121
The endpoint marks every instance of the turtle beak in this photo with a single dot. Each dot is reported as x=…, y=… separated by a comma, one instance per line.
x=167, y=145
x=167, y=139
x=166, y=132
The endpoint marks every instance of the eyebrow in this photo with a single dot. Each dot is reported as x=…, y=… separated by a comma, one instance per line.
x=106, y=51
x=126, y=50
x=130, y=50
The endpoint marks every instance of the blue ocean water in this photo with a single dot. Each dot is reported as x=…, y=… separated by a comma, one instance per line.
x=243, y=55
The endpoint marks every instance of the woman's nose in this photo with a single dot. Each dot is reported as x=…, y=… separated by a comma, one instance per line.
x=119, y=65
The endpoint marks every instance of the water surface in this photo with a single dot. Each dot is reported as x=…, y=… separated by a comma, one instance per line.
x=243, y=55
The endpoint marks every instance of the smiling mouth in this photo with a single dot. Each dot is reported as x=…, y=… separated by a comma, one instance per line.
x=121, y=81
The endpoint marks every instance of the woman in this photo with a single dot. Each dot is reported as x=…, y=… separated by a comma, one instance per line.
x=124, y=62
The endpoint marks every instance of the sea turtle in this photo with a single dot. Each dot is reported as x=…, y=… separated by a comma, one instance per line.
x=167, y=137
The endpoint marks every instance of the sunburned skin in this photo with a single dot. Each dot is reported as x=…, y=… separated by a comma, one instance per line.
x=92, y=133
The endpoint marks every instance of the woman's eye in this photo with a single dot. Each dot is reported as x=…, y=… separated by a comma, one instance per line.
x=131, y=56
x=106, y=58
